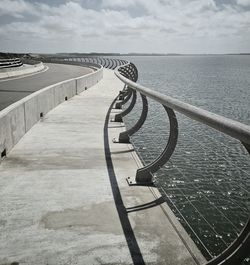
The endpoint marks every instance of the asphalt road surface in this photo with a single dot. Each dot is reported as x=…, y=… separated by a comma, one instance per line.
x=14, y=89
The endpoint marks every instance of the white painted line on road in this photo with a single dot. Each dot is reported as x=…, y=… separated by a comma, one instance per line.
x=23, y=76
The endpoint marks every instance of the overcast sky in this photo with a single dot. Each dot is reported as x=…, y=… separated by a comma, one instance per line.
x=152, y=26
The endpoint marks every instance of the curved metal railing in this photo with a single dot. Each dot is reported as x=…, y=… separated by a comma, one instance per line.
x=9, y=63
x=128, y=74
x=71, y=61
x=90, y=61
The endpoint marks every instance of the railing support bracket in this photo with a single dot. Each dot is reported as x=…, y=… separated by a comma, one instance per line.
x=145, y=174
x=119, y=116
x=124, y=137
x=118, y=105
x=132, y=182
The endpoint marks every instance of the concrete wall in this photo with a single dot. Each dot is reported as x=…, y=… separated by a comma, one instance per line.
x=22, y=70
x=19, y=117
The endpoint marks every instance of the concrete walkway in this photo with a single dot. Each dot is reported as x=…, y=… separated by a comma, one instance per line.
x=64, y=198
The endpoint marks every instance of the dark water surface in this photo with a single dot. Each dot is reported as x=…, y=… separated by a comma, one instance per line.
x=207, y=180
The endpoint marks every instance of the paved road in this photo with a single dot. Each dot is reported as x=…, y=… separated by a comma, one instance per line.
x=16, y=89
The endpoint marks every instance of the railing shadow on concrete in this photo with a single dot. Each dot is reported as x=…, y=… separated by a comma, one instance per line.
x=132, y=243
x=145, y=206
x=238, y=251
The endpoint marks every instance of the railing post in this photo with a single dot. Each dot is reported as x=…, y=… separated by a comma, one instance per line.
x=118, y=105
x=145, y=175
x=123, y=94
x=124, y=136
x=119, y=116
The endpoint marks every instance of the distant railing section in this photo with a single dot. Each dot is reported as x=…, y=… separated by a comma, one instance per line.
x=94, y=62
x=9, y=63
x=238, y=251
x=93, y=66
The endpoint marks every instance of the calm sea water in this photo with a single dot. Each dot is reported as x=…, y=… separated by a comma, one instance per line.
x=207, y=180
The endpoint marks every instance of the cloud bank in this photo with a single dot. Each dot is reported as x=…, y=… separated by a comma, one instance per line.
x=178, y=26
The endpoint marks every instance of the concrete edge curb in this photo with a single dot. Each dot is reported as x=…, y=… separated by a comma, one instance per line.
x=27, y=70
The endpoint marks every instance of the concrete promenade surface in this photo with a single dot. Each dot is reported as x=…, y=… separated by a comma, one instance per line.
x=14, y=89
x=64, y=198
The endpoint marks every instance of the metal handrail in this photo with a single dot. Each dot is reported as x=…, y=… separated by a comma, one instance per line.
x=10, y=59
x=9, y=63
x=89, y=61
x=56, y=60
x=239, y=249
x=228, y=126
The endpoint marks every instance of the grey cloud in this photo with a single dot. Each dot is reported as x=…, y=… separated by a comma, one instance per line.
x=57, y=28
x=7, y=19
x=243, y=2
x=48, y=2
x=168, y=30
x=17, y=8
x=163, y=24
x=90, y=35
x=124, y=33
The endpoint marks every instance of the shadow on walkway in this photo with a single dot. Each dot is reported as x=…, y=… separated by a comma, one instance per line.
x=133, y=246
x=146, y=205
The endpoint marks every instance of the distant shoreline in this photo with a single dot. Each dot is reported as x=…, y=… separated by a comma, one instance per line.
x=6, y=55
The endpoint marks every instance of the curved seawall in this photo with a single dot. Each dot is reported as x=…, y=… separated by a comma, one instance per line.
x=19, y=117
x=21, y=70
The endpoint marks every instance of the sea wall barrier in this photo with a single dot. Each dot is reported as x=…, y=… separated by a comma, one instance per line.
x=22, y=70
x=19, y=117
x=238, y=251
x=16, y=67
